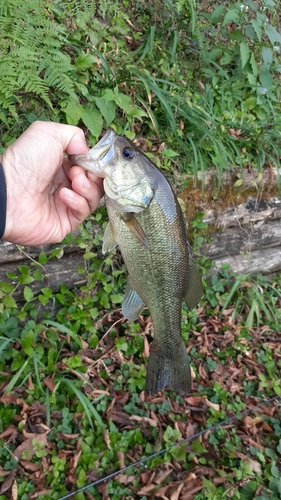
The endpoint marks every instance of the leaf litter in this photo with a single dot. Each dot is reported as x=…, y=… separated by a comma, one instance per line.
x=233, y=369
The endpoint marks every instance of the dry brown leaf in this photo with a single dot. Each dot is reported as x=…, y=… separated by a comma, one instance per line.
x=14, y=491
x=11, y=432
x=107, y=439
x=210, y=404
x=202, y=373
x=49, y=383
x=67, y=437
x=27, y=448
x=161, y=493
x=8, y=482
x=146, y=489
x=125, y=479
x=3, y=472
x=30, y=384
x=138, y=418
x=75, y=461
x=176, y=492
x=42, y=492
x=145, y=351
x=194, y=400
x=252, y=421
x=253, y=443
x=30, y=466
x=164, y=472
x=255, y=466
x=121, y=458
x=8, y=399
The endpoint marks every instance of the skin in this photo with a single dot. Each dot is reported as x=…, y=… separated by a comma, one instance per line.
x=47, y=198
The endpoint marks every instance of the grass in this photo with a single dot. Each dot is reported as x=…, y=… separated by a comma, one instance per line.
x=80, y=395
x=178, y=74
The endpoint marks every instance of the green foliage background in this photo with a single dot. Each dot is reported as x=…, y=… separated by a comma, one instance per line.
x=204, y=78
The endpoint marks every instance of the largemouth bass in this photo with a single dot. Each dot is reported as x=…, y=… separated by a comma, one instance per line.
x=146, y=222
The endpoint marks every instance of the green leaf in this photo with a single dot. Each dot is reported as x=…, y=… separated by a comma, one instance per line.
x=252, y=79
x=116, y=298
x=24, y=269
x=170, y=153
x=85, y=61
x=6, y=287
x=38, y=275
x=104, y=301
x=232, y=16
x=42, y=258
x=89, y=255
x=25, y=279
x=266, y=78
x=267, y=56
x=258, y=28
x=109, y=95
x=217, y=14
x=272, y=34
x=27, y=342
x=179, y=453
x=197, y=446
x=250, y=103
x=28, y=293
x=245, y=53
x=275, y=471
x=92, y=119
x=250, y=32
x=124, y=102
x=73, y=112
x=107, y=109
x=9, y=301
x=43, y=299
x=254, y=65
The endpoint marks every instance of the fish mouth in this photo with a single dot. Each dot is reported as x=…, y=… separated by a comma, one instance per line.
x=99, y=155
x=100, y=150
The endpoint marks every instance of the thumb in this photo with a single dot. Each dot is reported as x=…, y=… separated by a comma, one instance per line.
x=71, y=138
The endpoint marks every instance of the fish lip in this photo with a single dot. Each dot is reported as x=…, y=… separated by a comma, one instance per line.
x=97, y=154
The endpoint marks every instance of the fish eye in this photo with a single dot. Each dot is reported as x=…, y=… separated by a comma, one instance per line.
x=128, y=153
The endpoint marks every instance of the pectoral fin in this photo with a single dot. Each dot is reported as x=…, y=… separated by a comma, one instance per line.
x=109, y=241
x=135, y=228
x=132, y=304
x=195, y=288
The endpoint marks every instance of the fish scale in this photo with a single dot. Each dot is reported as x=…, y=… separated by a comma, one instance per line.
x=146, y=222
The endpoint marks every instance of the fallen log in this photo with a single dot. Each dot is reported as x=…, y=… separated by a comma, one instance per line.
x=243, y=230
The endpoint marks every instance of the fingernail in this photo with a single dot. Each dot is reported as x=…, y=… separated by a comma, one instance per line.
x=69, y=193
x=86, y=184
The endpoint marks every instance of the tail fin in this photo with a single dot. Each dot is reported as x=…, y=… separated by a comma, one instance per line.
x=172, y=372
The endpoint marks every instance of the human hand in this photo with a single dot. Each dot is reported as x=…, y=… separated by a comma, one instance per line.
x=47, y=198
